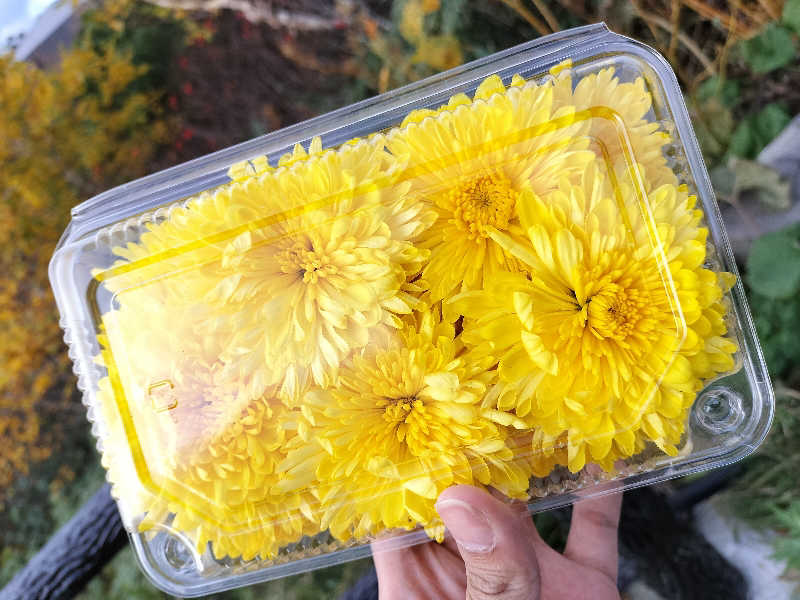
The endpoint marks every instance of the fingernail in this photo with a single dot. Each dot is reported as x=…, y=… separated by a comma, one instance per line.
x=468, y=526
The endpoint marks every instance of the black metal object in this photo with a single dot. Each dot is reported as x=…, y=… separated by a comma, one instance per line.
x=75, y=554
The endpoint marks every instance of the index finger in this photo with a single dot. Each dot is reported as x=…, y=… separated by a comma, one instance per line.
x=592, y=539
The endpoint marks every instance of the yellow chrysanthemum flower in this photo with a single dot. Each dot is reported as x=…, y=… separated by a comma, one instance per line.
x=619, y=119
x=404, y=422
x=193, y=447
x=235, y=474
x=298, y=263
x=592, y=345
x=471, y=160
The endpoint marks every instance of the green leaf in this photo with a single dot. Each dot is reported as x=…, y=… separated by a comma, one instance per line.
x=771, y=49
x=726, y=91
x=754, y=132
x=769, y=123
x=773, y=266
x=791, y=15
x=743, y=140
x=777, y=322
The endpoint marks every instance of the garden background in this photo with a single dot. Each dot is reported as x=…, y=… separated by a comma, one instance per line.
x=146, y=85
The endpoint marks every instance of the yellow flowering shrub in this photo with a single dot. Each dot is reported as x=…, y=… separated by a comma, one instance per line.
x=514, y=281
x=64, y=133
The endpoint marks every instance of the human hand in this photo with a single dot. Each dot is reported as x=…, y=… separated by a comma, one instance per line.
x=493, y=551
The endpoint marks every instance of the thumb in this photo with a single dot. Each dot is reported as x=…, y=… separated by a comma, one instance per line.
x=494, y=540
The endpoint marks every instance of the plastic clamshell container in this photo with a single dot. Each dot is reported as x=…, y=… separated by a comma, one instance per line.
x=512, y=274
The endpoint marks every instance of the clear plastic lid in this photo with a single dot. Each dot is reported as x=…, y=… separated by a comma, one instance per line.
x=511, y=275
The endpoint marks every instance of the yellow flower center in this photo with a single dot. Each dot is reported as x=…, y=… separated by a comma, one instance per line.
x=615, y=309
x=399, y=410
x=408, y=417
x=486, y=201
x=614, y=312
x=307, y=263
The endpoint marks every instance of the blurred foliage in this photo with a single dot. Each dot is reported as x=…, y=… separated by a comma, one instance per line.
x=778, y=324
x=67, y=133
x=787, y=547
x=745, y=102
x=778, y=248
x=755, y=131
x=769, y=50
x=736, y=112
x=724, y=129
x=149, y=36
x=423, y=37
x=766, y=495
x=791, y=15
x=70, y=131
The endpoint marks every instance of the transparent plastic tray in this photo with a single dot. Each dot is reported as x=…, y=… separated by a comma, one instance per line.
x=512, y=275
